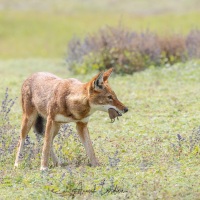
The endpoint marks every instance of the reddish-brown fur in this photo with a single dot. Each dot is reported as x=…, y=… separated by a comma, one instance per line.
x=62, y=101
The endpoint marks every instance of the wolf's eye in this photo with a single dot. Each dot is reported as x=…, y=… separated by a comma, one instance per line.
x=110, y=97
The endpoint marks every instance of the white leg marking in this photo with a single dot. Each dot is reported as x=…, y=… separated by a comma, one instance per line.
x=19, y=152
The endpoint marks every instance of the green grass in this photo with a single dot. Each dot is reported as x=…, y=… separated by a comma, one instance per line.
x=32, y=34
x=151, y=163
x=152, y=152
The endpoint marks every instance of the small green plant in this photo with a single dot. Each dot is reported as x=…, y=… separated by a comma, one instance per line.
x=8, y=139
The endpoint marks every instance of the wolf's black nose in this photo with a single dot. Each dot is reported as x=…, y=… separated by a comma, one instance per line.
x=125, y=109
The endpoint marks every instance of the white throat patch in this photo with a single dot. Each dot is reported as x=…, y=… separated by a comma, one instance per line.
x=95, y=107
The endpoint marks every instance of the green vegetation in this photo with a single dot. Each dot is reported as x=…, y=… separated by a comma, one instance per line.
x=152, y=152
x=30, y=34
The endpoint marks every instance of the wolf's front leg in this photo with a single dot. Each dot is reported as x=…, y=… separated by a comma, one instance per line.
x=85, y=139
x=54, y=158
x=49, y=133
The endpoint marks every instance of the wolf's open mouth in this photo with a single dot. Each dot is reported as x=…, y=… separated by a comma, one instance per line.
x=113, y=114
x=119, y=114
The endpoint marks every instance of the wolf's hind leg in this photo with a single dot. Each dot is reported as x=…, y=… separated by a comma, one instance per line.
x=27, y=122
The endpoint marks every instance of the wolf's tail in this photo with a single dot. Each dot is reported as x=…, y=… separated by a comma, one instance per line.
x=39, y=125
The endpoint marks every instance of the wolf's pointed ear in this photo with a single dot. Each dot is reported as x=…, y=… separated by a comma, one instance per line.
x=107, y=74
x=98, y=81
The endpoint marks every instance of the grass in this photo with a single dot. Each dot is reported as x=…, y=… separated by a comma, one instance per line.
x=152, y=152
x=36, y=34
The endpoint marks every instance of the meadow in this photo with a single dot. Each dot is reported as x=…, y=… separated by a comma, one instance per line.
x=151, y=152
x=36, y=34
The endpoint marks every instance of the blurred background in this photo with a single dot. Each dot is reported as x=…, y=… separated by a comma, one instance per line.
x=43, y=28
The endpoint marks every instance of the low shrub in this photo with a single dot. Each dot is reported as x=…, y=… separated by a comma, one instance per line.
x=8, y=132
x=193, y=44
x=173, y=49
x=128, y=51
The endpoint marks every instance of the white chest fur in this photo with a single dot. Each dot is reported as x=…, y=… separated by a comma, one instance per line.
x=63, y=119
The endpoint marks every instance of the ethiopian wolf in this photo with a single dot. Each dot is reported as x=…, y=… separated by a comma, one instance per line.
x=48, y=97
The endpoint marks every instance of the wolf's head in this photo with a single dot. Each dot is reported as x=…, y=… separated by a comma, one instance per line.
x=102, y=97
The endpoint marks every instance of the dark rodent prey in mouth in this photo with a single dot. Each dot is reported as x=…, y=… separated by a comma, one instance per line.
x=113, y=114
